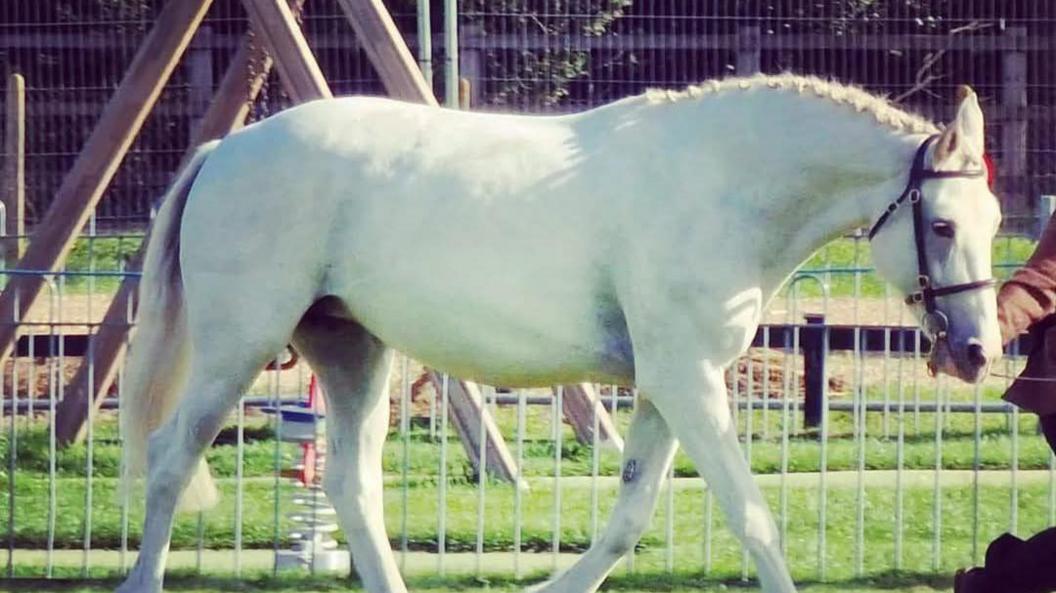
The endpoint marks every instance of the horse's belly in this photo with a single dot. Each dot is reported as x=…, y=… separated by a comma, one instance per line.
x=499, y=339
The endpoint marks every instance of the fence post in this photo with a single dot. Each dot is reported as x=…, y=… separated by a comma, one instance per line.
x=749, y=50
x=1014, y=130
x=471, y=62
x=812, y=342
x=14, y=175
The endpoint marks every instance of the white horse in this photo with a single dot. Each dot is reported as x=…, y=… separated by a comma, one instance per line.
x=637, y=243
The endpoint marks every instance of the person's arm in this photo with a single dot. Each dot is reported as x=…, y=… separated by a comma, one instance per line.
x=1030, y=294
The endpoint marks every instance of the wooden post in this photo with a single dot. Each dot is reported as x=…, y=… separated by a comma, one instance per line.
x=238, y=89
x=14, y=187
x=749, y=50
x=275, y=25
x=467, y=412
x=465, y=94
x=200, y=76
x=581, y=406
x=812, y=342
x=1014, y=131
x=387, y=51
x=98, y=161
x=274, y=22
x=471, y=64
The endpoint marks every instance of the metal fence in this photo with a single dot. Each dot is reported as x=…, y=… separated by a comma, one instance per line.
x=544, y=55
x=901, y=472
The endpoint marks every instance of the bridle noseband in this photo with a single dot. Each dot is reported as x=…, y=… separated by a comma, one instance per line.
x=934, y=320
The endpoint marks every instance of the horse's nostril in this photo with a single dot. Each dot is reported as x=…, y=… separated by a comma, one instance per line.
x=976, y=355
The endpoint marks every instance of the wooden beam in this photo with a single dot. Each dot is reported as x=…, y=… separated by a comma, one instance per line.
x=226, y=113
x=582, y=408
x=274, y=23
x=14, y=180
x=98, y=161
x=468, y=414
x=378, y=36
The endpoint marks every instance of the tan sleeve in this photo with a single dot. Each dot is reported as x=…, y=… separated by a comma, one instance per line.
x=1030, y=294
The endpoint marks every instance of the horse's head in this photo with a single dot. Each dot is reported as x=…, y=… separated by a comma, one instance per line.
x=934, y=242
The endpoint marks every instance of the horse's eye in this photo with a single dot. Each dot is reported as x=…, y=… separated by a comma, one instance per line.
x=943, y=228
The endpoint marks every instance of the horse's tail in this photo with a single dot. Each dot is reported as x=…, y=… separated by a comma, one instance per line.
x=159, y=358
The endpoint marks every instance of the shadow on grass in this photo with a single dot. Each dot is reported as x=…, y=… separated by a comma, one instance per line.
x=640, y=582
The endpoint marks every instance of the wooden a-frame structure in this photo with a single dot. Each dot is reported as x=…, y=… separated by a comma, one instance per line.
x=272, y=22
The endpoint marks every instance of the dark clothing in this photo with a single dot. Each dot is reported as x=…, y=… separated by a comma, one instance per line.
x=1014, y=566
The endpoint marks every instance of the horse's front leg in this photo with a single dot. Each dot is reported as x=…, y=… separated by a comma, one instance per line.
x=647, y=455
x=691, y=396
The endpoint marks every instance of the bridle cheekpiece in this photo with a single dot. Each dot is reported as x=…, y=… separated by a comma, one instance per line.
x=934, y=321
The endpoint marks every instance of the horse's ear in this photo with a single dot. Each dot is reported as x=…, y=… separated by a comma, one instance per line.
x=965, y=132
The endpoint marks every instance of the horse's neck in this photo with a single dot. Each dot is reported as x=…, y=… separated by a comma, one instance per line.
x=829, y=188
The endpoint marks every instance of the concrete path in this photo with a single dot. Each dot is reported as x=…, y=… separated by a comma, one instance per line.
x=222, y=562
x=843, y=479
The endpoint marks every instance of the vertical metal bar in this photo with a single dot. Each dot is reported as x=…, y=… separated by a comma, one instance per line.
x=517, y=488
x=405, y=442
x=900, y=455
x=766, y=383
x=595, y=466
x=425, y=41
x=441, y=517
x=860, y=442
x=823, y=462
x=555, y=419
x=451, y=53
x=669, y=522
x=125, y=494
x=240, y=451
x=976, y=467
x=747, y=450
x=12, y=456
x=90, y=409
x=708, y=506
x=199, y=547
x=936, y=512
x=276, y=464
x=53, y=380
x=1013, y=511
x=482, y=472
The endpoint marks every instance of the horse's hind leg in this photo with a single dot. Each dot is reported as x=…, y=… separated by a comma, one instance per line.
x=353, y=367
x=226, y=356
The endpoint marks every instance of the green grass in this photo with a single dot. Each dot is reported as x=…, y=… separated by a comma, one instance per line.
x=958, y=514
x=846, y=256
x=959, y=507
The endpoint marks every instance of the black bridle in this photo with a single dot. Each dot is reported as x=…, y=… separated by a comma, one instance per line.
x=934, y=320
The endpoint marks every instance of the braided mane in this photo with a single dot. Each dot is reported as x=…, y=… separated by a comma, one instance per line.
x=853, y=97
